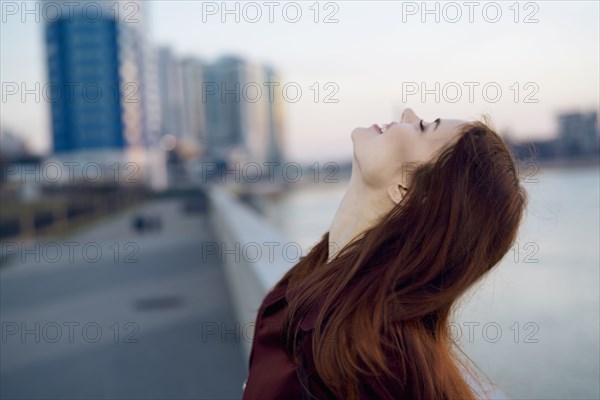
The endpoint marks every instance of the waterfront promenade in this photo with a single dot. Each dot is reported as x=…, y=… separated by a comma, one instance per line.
x=142, y=321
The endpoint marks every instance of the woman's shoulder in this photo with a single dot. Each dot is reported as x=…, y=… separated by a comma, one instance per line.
x=276, y=293
x=280, y=289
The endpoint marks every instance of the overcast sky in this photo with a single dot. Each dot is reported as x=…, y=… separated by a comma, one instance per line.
x=374, y=55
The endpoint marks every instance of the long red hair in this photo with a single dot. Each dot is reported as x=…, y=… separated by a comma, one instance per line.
x=402, y=277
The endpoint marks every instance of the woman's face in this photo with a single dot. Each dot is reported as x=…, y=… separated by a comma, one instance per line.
x=385, y=155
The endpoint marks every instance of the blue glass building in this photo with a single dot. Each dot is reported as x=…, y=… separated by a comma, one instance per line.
x=84, y=84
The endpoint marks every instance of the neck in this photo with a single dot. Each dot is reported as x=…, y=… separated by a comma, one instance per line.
x=360, y=208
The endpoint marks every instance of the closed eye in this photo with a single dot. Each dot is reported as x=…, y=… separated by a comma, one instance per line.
x=436, y=123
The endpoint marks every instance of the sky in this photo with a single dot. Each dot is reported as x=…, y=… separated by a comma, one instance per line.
x=372, y=58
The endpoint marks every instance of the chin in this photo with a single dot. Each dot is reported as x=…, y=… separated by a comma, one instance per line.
x=358, y=131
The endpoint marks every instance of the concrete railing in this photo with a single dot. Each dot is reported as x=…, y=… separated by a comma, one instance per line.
x=255, y=255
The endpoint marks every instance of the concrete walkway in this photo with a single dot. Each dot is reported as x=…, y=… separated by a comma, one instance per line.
x=109, y=313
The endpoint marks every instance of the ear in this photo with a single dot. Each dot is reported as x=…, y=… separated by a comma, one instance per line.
x=396, y=192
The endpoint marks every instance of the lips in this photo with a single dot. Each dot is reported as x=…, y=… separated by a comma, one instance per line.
x=377, y=128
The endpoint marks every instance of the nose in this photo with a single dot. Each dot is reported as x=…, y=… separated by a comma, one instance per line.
x=409, y=116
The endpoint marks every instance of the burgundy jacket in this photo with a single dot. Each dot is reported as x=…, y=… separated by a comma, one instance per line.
x=273, y=374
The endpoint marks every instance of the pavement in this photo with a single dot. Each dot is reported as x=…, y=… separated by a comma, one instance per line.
x=110, y=313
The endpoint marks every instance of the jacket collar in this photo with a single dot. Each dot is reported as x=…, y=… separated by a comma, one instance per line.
x=276, y=294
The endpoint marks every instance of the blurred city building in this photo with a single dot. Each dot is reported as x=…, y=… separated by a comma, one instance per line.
x=276, y=118
x=227, y=111
x=578, y=133
x=85, y=55
x=577, y=140
x=192, y=73
x=241, y=117
x=170, y=93
x=102, y=88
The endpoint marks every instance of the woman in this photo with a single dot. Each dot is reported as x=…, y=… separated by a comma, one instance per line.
x=430, y=209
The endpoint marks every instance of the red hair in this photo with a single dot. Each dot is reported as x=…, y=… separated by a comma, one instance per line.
x=402, y=277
